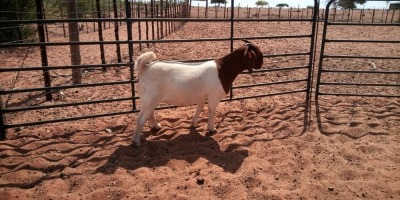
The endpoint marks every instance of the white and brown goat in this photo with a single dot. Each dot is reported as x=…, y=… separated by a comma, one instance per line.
x=182, y=84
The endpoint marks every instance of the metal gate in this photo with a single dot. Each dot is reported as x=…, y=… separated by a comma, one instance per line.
x=40, y=23
x=341, y=74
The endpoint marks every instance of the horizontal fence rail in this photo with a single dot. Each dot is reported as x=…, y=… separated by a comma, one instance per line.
x=130, y=18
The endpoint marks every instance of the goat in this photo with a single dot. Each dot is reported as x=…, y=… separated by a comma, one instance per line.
x=182, y=84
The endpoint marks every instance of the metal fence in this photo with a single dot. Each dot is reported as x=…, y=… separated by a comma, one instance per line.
x=339, y=79
x=130, y=42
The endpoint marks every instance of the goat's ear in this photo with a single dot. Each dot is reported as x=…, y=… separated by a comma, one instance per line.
x=250, y=54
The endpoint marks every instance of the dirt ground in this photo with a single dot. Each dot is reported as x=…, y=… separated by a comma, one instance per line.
x=276, y=147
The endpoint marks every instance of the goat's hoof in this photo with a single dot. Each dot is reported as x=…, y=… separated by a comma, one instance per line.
x=136, y=143
x=194, y=126
x=212, y=130
x=157, y=126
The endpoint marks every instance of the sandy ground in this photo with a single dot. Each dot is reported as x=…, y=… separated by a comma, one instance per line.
x=276, y=147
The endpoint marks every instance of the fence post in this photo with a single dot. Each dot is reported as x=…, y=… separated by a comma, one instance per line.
x=162, y=16
x=373, y=15
x=238, y=14
x=175, y=13
x=147, y=24
x=313, y=49
x=116, y=30
x=387, y=14
x=167, y=23
x=130, y=49
x=152, y=21
x=109, y=14
x=344, y=11
x=93, y=16
x=225, y=11
x=391, y=20
x=43, y=51
x=103, y=58
x=2, y=120
x=334, y=14
x=74, y=37
x=348, y=16
x=352, y=12
x=158, y=24
x=62, y=17
x=45, y=25
x=232, y=23
x=279, y=14
x=139, y=27
x=198, y=10
x=206, y=11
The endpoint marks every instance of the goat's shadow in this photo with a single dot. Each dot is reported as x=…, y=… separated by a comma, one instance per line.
x=189, y=147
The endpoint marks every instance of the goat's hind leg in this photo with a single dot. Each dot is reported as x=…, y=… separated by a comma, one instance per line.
x=153, y=122
x=146, y=112
x=140, y=121
x=212, y=107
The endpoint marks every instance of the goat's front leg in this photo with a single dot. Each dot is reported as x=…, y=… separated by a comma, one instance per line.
x=195, y=119
x=212, y=107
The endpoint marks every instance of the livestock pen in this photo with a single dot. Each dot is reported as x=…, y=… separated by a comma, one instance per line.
x=277, y=139
x=57, y=80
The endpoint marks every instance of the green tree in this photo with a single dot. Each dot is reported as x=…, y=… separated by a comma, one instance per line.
x=15, y=10
x=349, y=4
x=282, y=5
x=218, y=2
x=261, y=3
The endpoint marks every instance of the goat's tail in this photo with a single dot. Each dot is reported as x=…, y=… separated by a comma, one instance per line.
x=142, y=60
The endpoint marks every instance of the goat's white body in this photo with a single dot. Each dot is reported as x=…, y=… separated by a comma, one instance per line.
x=177, y=84
x=180, y=84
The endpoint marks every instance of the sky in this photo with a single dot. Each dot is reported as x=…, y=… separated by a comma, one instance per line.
x=296, y=3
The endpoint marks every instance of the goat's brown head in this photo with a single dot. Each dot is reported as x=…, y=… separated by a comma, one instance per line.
x=253, y=58
x=245, y=57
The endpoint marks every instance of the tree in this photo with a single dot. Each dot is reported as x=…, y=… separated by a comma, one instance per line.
x=16, y=10
x=218, y=2
x=261, y=3
x=349, y=4
x=282, y=5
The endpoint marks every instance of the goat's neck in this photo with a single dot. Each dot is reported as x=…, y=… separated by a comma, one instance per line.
x=229, y=68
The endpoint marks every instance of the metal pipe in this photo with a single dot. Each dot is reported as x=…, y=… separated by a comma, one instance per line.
x=231, y=38
x=43, y=50
x=149, y=41
x=11, y=110
x=130, y=48
x=64, y=87
x=50, y=21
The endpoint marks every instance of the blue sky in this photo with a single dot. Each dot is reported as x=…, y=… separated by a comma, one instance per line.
x=296, y=3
